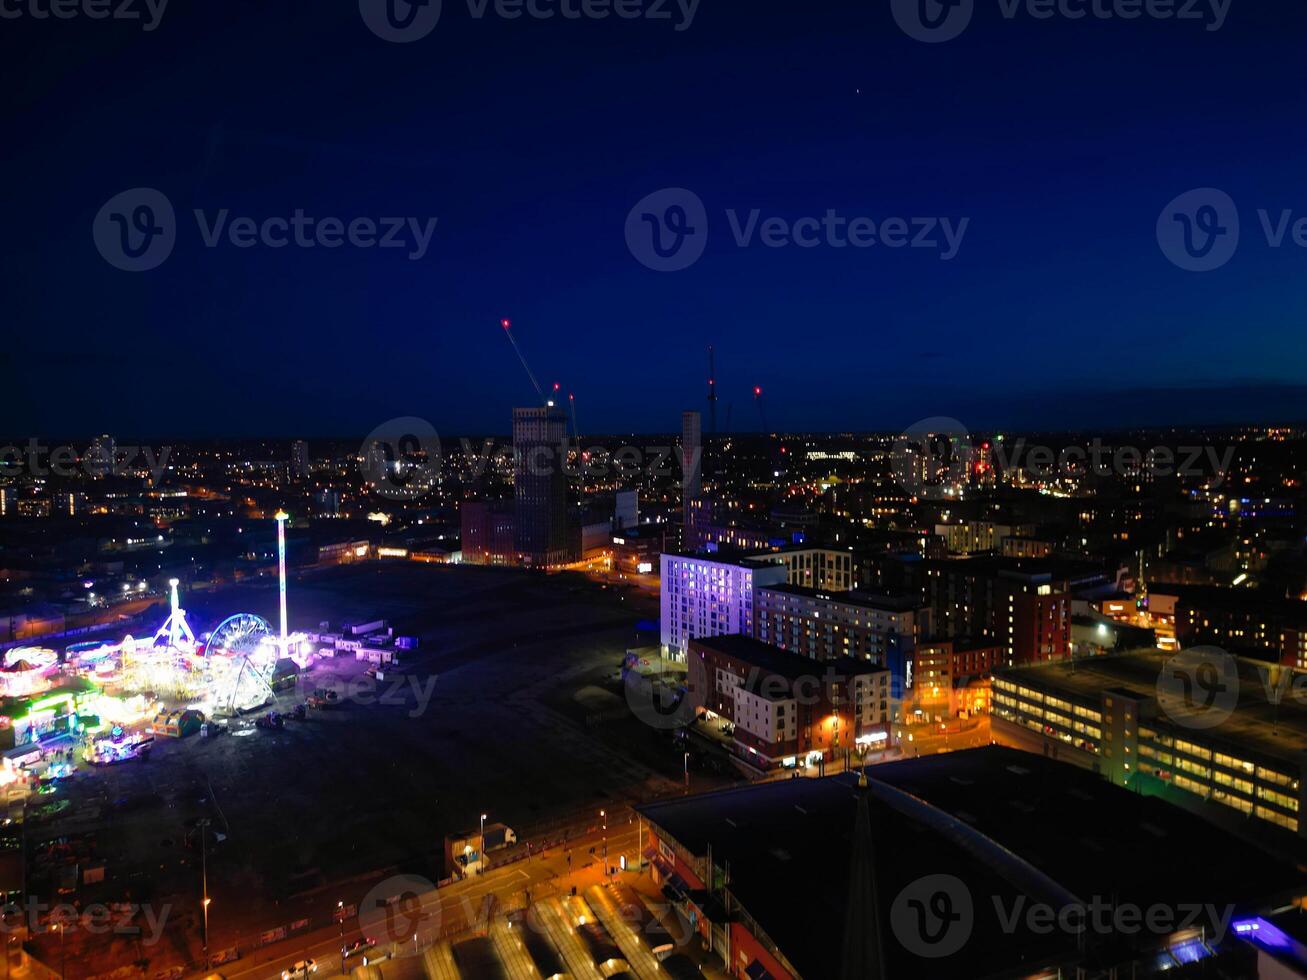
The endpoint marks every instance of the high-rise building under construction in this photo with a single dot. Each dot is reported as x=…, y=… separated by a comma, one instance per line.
x=541, y=527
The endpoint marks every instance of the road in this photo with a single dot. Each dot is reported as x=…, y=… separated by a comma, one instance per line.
x=447, y=911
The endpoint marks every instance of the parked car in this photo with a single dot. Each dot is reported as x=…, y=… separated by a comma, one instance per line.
x=299, y=970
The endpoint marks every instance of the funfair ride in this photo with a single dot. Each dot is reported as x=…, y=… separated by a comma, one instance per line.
x=240, y=659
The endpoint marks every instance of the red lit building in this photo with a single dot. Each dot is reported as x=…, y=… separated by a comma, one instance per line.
x=1023, y=605
x=786, y=709
x=487, y=532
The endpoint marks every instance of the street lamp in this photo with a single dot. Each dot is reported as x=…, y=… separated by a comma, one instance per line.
x=340, y=914
x=687, y=772
x=481, y=858
x=204, y=877
x=603, y=815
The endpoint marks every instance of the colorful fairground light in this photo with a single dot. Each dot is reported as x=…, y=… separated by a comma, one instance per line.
x=27, y=671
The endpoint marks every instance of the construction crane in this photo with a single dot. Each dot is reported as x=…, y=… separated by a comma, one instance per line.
x=576, y=431
x=508, y=329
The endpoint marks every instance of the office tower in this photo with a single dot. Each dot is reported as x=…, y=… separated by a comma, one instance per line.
x=541, y=530
x=691, y=471
x=299, y=459
x=100, y=456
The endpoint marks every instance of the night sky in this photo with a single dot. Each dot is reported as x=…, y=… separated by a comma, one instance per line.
x=530, y=141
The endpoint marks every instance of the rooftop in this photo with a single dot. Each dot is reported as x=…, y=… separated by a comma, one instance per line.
x=1003, y=822
x=773, y=661
x=867, y=600
x=1257, y=723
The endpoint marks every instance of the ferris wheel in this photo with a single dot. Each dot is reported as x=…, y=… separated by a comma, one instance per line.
x=241, y=655
x=238, y=635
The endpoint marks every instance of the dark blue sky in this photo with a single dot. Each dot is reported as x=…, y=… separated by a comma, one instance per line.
x=1061, y=141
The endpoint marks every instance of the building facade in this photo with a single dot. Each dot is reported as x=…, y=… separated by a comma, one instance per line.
x=691, y=462
x=1106, y=717
x=1027, y=611
x=708, y=595
x=829, y=569
x=542, y=531
x=825, y=625
x=785, y=709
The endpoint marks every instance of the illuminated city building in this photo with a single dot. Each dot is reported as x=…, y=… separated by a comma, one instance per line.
x=828, y=569
x=709, y=595
x=787, y=710
x=823, y=625
x=542, y=531
x=487, y=532
x=1243, y=621
x=1023, y=605
x=691, y=463
x=1103, y=714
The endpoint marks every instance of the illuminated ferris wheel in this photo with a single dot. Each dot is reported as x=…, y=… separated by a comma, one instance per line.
x=241, y=655
x=238, y=635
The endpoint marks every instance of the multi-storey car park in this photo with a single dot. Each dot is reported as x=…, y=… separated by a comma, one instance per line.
x=1104, y=714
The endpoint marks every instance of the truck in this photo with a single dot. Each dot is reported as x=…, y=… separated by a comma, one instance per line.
x=499, y=835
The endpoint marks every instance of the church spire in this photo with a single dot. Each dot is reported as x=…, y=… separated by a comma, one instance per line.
x=863, y=953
